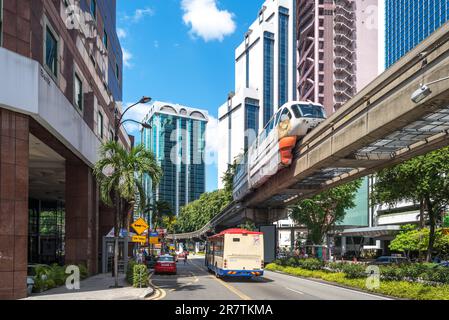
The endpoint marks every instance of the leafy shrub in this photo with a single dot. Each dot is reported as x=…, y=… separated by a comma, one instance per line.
x=334, y=266
x=354, y=271
x=311, y=264
x=84, y=273
x=140, y=276
x=439, y=274
x=292, y=262
x=130, y=271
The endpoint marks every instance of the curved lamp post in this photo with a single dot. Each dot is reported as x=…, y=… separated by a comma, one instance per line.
x=119, y=119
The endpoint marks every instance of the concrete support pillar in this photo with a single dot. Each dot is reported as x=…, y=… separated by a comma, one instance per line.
x=292, y=239
x=81, y=241
x=343, y=245
x=14, y=157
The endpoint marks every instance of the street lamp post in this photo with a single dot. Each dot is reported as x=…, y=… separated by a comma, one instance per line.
x=118, y=119
x=424, y=90
x=118, y=122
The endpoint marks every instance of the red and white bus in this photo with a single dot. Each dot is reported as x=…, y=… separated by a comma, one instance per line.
x=235, y=253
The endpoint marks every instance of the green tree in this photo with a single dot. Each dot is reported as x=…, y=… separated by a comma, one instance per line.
x=160, y=210
x=248, y=225
x=196, y=214
x=118, y=174
x=228, y=177
x=320, y=213
x=412, y=239
x=423, y=180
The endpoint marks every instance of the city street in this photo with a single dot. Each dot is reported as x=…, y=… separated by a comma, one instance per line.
x=194, y=282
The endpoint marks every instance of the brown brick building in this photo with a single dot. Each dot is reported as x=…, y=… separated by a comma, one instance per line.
x=60, y=82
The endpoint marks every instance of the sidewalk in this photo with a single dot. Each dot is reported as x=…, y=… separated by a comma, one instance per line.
x=95, y=288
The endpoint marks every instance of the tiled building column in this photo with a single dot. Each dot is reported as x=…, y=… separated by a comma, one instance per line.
x=81, y=235
x=14, y=155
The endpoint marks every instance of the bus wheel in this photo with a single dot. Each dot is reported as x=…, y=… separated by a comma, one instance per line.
x=217, y=275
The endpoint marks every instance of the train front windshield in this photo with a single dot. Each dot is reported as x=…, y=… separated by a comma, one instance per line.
x=308, y=111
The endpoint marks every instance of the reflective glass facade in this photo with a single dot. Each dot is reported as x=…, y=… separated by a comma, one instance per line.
x=179, y=145
x=251, y=121
x=358, y=216
x=408, y=22
x=283, y=55
x=268, y=77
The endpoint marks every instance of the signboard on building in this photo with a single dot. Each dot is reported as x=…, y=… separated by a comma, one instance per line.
x=154, y=240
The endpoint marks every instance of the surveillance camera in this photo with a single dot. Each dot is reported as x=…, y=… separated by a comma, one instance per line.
x=420, y=94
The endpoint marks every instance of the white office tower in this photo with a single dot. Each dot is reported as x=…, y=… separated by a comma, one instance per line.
x=265, y=79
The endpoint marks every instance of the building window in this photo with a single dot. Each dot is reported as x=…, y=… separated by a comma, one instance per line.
x=51, y=52
x=268, y=77
x=93, y=9
x=100, y=124
x=251, y=122
x=105, y=39
x=1, y=22
x=78, y=92
x=283, y=55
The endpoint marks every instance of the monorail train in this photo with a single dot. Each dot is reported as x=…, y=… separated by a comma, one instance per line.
x=273, y=148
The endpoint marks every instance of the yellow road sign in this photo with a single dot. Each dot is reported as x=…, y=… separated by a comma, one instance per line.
x=140, y=226
x=140, y=239
x=154, y=240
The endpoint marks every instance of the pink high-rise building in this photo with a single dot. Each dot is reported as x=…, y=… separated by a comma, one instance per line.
x=337, y=49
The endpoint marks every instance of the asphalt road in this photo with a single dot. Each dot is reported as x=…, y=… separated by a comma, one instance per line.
x=194, y=282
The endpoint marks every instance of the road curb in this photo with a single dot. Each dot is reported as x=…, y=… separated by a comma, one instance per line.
x=339, y=285
x=147, y=293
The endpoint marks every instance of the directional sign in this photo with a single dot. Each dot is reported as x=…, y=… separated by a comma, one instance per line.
x=140, y=226
x=139, y=239
x=154, y=240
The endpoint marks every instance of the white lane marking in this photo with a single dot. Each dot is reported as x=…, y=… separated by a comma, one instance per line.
x=341, y=288
x=299, y=292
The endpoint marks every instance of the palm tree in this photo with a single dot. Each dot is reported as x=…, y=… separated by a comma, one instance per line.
x=118, y=173
x=160, y=209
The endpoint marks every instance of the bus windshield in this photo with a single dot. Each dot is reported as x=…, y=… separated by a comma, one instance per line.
x=308, y=111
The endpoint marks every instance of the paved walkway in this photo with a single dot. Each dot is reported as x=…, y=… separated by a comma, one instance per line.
x=95, y=288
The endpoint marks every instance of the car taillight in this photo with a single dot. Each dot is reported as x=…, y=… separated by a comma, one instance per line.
x=225, y=263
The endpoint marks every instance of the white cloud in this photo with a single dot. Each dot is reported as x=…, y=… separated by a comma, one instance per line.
x=139, y=14
x=206, y=20
x=121, y=33
x=214, y=145
x=156, y=44
x=127, y=56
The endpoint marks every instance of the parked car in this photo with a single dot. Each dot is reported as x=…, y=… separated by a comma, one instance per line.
x=165, y=264
x=444, y=264
x=150, y=261
x=387, y=260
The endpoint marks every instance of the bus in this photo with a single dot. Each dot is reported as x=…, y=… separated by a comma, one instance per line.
x=235, y=253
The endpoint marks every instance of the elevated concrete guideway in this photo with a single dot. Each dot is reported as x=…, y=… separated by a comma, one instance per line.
x=378, y=128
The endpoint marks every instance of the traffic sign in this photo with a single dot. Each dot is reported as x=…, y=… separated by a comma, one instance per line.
x=140, y=226
x=154, y=240
x=139, y=239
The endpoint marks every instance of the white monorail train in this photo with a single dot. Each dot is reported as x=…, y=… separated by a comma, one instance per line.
x=273, y=148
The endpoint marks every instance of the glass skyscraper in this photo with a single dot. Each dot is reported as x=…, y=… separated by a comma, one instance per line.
x=408, y=22
x=177, y=138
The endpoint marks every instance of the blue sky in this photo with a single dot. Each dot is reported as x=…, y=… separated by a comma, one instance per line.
x=182, y=51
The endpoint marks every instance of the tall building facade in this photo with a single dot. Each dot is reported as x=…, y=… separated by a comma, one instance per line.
x=408, y=22
x=60, y=84
x=337, y=49
x=338, y=46
x=177, y=138
x=265, y=79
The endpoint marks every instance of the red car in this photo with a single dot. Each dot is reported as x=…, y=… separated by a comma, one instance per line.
x=165, y=264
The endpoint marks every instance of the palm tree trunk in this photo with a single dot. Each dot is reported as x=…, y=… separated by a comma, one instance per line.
x=432, y=229
x=117, y=234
